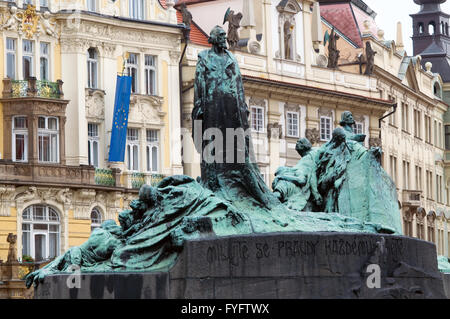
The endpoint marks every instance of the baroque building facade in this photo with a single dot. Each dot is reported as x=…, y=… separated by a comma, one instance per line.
x=59, y=64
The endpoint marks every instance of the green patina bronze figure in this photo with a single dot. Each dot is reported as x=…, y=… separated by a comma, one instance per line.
x=220, y=127
x=339, y=187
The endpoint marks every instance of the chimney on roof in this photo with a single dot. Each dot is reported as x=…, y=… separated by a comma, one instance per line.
x=317, y=33
x=399, y=41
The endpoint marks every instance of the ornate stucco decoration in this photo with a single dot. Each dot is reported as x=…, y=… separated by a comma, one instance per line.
x=325, y=112
x=257, y=101
x=95, y=104
x=62, y=196
x=146, y=108
x=29, y=23
x=313, y=135
x=7, y=194
x=274, y=131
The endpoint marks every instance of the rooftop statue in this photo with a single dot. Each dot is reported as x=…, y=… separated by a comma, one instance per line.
x=339, y=187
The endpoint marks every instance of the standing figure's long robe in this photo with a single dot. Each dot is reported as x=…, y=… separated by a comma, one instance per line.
x=228, y=166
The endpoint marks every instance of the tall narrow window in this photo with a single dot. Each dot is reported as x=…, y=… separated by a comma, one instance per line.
x=44, y=61
x=132, y=69
x=257, y=118
x=137, y=9
x=419, y=185
x=150, y=74
x=447, y=137
x=325, y=128
x=20, y=139
x=152, y=151
x=92, y=68
x=48, y=139
x=406, y=175
x=91, y=6
x=11, y=58
x=27, y=58
x=292, y=124
x=93, y=141
x=44, y=3
x=132, y=149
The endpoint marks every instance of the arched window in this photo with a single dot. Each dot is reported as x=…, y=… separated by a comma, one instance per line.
x=431, y=28
x=437, y=90
x=40, y=232
x=92, y=66
x=96, y=219
x=421, y=28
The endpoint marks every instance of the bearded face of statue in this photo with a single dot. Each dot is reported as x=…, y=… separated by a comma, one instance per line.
x=218, y=38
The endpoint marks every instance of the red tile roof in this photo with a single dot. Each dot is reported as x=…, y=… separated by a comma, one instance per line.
x=197, y=36
x=341, y=16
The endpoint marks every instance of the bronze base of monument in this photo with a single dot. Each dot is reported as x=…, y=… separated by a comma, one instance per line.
x=275, y=266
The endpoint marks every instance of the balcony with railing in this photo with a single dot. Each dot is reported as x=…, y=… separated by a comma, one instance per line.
x=412, y=198
x=135, y=180
x=32, y=88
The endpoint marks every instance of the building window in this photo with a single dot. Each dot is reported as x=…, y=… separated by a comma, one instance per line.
x=96, y=219
x=440, y=135
x=132, y=69
x=358, y=128
x=292, y=124
x=92, y=64
x=48, y=139
x=150, y=74
x=27, y=58
x=152, y=151
x=91, y=5
x=393, y=167
x=137, y=9
x=20, y=139
x=257, y=118
x=93, y=142
x=417, y=128
x=325, y=128
x=421, y=28
x=43, y=3
x=429, y=177
x=419, y=185
x=447, y=137
x=406, y=184
x=427, y=129
x=133, y=149
x=40, y=232
x=44, y=61
x=405, y=117
x=11, y=58
x=27, y=2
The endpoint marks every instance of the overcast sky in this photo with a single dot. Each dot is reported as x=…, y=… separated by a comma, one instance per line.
x=389, y=12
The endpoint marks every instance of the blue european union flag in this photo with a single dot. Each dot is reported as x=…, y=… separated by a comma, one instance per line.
x=120, y=119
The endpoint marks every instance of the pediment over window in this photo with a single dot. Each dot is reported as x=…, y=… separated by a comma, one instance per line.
x=289, y=6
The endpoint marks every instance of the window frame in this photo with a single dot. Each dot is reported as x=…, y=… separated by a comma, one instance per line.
x=149, y=70
x=46, y=57
x=92, y=140
x=325, y=118
x=135, y=77
x=30, y=211
x=136, y=9
x=289, y=124
x=133, y=145
x=41, y=132
x=19, y=131
x=92, y=69
x=150, y=145
x=31, y=55
x=12, y=52
x=257, y=124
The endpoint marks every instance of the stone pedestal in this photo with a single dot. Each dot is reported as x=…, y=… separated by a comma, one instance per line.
x=282, y=265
